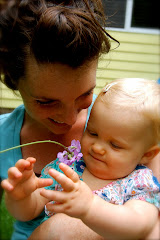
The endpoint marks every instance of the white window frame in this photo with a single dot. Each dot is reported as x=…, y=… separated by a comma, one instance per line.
x=127, y=24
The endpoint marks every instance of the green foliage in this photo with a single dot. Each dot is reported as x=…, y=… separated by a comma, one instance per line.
x=6, y=222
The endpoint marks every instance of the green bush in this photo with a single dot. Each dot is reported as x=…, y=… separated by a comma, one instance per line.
x=6, y=222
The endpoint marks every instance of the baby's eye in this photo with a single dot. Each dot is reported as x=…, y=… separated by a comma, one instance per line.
x=115, y=145
x=92, y=133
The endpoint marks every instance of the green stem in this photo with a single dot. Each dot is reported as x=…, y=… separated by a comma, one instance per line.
x=27, y=144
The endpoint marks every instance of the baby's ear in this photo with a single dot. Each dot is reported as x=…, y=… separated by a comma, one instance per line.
x=150, y=154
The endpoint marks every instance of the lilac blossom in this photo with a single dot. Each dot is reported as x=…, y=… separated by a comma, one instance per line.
x=73, y=154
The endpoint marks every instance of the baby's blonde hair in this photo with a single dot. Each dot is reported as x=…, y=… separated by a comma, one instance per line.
x=135, y=94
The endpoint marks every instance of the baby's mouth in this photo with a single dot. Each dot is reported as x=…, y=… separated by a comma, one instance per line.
x=97, y=159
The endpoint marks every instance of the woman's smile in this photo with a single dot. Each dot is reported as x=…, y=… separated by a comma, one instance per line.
x=56, y=121
x=59, y=124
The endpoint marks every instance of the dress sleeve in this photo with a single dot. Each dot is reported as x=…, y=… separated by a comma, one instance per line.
x=143, y=186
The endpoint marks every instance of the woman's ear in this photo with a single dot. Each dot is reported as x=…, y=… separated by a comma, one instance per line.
x=150, y=154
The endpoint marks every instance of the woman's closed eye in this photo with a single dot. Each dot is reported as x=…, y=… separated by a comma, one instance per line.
x=44, y=102
x=88, y=93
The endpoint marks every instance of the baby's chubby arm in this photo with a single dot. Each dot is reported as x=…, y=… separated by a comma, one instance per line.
x=22, y=190
x=133, y=220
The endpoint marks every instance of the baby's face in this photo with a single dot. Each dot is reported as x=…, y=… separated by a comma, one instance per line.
x=114, y=142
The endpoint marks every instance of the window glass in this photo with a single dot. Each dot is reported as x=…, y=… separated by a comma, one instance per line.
x=142, y=13
x=145, y=14
x=115, y=11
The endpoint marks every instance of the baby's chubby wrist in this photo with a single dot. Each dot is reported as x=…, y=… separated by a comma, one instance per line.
x=90, y=207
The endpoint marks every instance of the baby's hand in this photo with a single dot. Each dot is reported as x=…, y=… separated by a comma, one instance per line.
x=76, y=197
x=21, y=181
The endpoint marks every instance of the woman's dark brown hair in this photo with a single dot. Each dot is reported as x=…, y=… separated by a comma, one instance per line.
x=70, y=32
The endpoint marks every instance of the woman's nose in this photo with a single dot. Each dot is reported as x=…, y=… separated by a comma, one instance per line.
x=70, y=115
x=98, y=148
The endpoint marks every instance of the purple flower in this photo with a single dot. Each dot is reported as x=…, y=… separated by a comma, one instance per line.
x=73, y=154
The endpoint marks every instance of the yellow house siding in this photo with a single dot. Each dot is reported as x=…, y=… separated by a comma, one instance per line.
x=137, y=56
x=9, y=99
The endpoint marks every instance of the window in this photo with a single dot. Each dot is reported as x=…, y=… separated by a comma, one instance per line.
x=133, y=15
x=115, y=11
x=145, y=14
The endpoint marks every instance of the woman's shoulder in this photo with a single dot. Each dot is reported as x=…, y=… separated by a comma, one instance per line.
x=10, y=126
x=9, y=118
x=4, y=117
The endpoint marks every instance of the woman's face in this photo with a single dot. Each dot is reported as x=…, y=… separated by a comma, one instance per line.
x=55, y=94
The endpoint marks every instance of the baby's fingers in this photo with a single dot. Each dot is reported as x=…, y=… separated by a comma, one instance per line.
x=66, y=183
x=53, y=195
x=14, y=173
x=25, y=164
x=7, y=186
x=69, y=172
x=56, y=207
x=42, y=182
x=14, y=177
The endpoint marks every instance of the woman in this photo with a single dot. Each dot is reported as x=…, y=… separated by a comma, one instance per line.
x=49, y=52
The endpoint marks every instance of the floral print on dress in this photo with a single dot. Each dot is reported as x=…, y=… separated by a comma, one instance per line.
x=137, y=185
x=140, y=185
